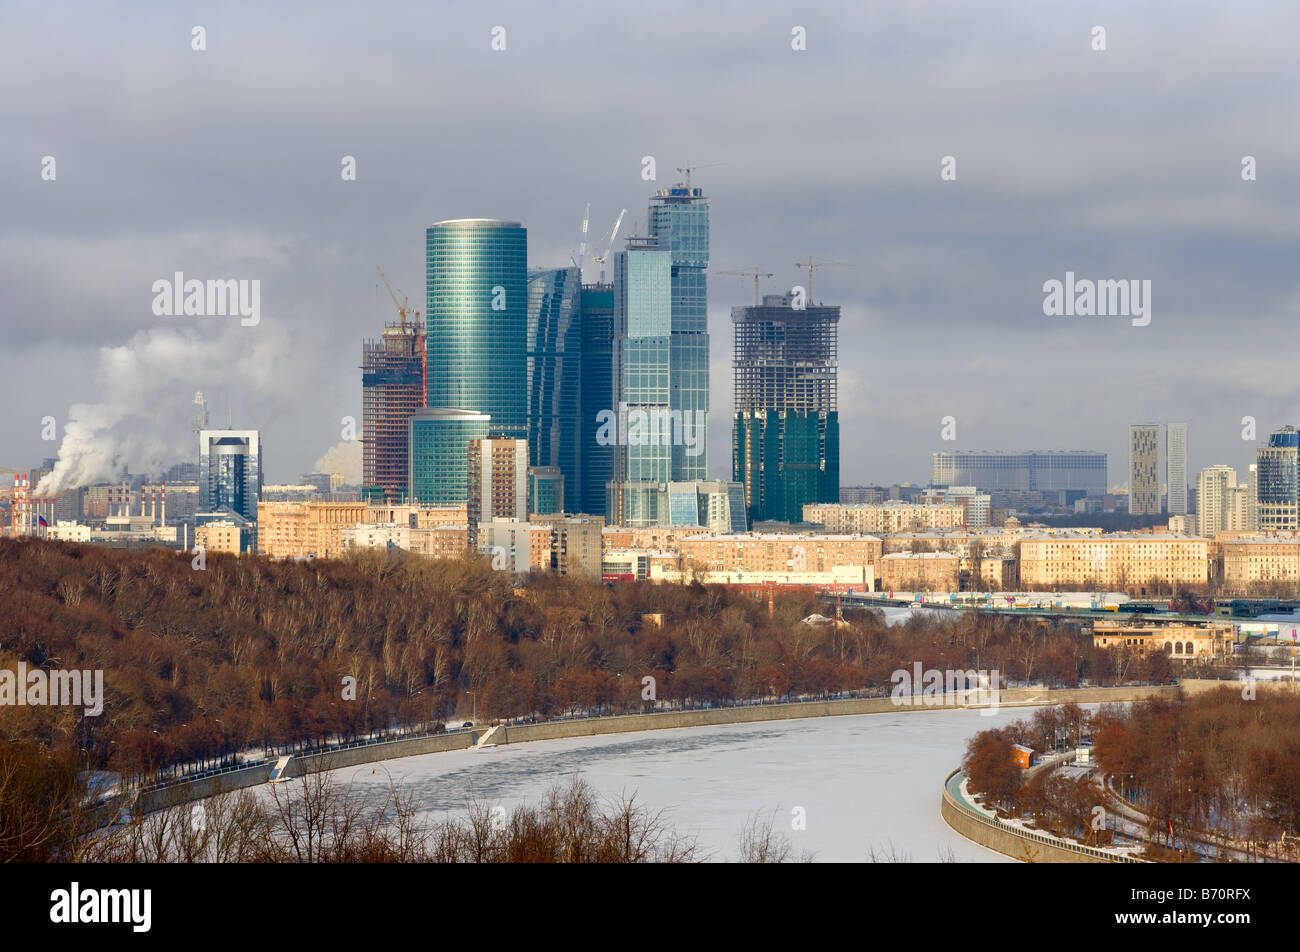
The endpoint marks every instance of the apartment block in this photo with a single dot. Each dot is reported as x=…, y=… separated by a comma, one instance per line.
x=885, y=517
x=1113, y=560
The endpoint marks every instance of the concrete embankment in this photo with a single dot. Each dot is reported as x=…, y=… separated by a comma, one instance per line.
x=1024, y=845
x=590, y=726
x=1010, y=697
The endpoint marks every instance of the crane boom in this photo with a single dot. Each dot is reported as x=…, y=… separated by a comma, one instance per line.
x=402, y=306
x=812, y=263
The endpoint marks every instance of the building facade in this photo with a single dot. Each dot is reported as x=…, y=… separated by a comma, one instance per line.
x=1176, y=468
x=555, y=371
x=1278, y=480
x=497, y=482
x=785, y=434
x=477, y=320
x=439, y=449
x=230, y=471
x=1082, y=471
x=393, y=387
x=1144, y=469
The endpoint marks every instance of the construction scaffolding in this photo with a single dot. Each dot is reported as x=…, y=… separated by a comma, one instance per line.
x=394, y=384
x=785, y=358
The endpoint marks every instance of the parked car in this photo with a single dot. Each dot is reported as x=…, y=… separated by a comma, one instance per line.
x=468, y=724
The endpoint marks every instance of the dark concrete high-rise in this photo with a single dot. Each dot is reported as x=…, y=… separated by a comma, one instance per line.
x=786, y=436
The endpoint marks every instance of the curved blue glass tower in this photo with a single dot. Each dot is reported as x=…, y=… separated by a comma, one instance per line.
x=476, y=319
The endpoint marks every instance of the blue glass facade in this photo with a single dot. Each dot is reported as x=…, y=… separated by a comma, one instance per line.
x=598, y=394
x=555, y=371
x=679, y=220
x=476, y=316
x=230, y=471
x=1277, y=468
x=439, y=448
x=642, y=318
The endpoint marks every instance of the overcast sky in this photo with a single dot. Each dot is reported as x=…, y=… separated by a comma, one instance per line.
x=225, y=163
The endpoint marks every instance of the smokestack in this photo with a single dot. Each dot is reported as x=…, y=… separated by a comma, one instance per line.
x=163, y=520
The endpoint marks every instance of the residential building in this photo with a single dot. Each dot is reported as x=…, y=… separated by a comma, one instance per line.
x=1144, y=469
x=498, y=482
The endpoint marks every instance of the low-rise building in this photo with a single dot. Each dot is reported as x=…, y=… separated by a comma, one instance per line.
x=1180, y=641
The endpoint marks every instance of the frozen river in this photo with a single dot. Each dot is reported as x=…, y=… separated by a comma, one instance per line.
x=870, y=780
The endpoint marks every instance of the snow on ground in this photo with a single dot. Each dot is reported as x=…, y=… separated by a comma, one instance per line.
x=871, y=780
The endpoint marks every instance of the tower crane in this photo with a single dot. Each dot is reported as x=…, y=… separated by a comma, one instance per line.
x=688, y=169
x=813, y=263
x=613, y=236
x=582, y=245
x=756, y=274
x=403, y=306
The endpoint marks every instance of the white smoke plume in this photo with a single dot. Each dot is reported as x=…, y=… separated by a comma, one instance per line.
x=144, y=415
x=343, y=457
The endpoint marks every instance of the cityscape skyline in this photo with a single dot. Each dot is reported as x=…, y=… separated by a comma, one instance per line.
x=1213, y=245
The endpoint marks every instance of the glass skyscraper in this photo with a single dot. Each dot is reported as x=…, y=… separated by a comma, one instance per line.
x=439, y=448
x=555, y=372
x=230, y=471
x=679, y=219
x=476, y=320
x=1277, y=475
x=660, y=358
x=597, y=465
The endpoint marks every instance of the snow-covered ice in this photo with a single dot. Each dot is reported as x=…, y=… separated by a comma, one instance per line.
x=870, y=780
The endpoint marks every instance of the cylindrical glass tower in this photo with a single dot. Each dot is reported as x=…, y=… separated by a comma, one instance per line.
x=477, y=319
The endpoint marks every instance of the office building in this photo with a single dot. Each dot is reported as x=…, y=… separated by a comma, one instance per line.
x=679, y=221
x=476, y=320
x=545, y=490
x=660, y=358
x=1278, y=480
x=439, y=450
x=715, y=504
x=1070, y=471
x=785, y=435
x=598, y=395
x=555, y=372
x=230, y=471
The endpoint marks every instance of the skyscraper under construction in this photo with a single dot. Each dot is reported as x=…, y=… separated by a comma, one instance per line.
x=786, y=436
x=393, y=387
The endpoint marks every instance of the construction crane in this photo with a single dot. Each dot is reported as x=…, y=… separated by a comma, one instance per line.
x=746, y=273
x=813, y=263
x=613, y=236
x=403, y=306
x=688, y=169
x=582, y=246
